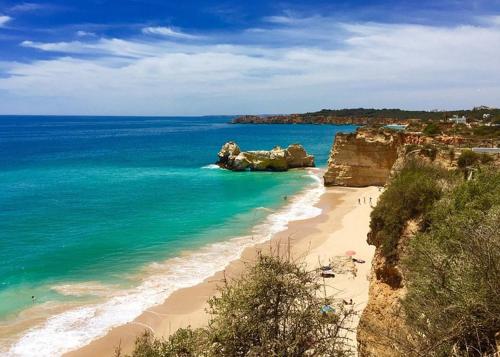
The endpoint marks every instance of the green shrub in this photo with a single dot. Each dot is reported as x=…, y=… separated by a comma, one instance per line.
x=485, y=158
x=467, y=158
x=274, y=309
x=487, y=131
x=451, y=154
x=183, y=343
x=432, y=129
x=410, y=194
x=429, y=151
x=452, y=270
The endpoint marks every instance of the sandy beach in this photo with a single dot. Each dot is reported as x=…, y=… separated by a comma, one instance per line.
x=342, y=226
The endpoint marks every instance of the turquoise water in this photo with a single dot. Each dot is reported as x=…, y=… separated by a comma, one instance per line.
x=96, y=199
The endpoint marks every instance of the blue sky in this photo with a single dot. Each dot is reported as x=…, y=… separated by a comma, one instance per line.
x=155, y=57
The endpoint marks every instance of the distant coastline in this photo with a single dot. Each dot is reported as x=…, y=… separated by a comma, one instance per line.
x=362, y=116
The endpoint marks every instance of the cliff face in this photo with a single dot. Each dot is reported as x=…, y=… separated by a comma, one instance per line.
x=364, y=158
x=370, y=156
x=382, y=328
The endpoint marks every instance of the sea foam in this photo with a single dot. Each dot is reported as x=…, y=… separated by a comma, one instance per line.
x=77, y=327
x=211, y=167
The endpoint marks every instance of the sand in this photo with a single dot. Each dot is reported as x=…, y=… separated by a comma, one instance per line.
x=342, y=226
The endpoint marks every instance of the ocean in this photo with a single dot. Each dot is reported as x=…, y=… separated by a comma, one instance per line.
x=103, y=217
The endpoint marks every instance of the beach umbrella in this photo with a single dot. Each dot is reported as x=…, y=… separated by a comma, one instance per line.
x=350, y=253
x=326, y=309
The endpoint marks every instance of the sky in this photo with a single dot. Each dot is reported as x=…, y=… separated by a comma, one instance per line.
x=161, y=57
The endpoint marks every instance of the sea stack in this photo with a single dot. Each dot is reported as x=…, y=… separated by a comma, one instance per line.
x=276, y=159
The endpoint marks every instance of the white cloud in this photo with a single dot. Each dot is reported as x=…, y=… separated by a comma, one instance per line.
x=81, y=33
x=168, y=32
x=104, y=47
x=4, y=19
x=300, y=66
x=279, y=19
x=26, y=7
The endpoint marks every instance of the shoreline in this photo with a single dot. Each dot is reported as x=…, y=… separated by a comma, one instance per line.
x=73, y=328
x=342, y=225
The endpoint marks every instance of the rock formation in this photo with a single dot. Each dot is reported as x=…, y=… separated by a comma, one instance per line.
x=277, y=159
x=369, y=156
x=382, y=326
x=364, y=158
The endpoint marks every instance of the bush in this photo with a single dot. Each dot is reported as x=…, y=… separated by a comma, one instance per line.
x=410, y=194
x=432, y=129
x=487, y=131
x=429, y=151
x=467, y=158
x=485, y=158
x=453, y=276
x=451, y=154
x=272, y=310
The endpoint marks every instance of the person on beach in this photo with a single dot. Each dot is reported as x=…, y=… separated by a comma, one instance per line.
x=33, y=298
x=359, y=201
x=370, y=200
x=285, y=198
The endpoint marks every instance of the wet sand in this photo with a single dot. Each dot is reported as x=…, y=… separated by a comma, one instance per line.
x=342, y=226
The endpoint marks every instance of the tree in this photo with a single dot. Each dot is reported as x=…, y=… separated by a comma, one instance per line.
x=275, y=309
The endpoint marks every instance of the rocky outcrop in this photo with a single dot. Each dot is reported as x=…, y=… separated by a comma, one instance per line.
x=277, y=159
x=296, y=156
x=369, y=156
x=364, y=158
x=382, y=330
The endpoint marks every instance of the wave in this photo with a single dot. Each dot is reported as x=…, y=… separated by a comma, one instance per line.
x=77, y=327
x=89, y=288
x=264, y=209
x=211, y=167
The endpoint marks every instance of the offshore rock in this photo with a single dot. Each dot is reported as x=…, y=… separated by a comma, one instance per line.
x=277, y=159
x=227, y=154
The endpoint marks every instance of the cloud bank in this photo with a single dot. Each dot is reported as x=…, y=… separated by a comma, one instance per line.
x=288, y=65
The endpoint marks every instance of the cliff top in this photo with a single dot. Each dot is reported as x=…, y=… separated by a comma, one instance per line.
x=369, y=115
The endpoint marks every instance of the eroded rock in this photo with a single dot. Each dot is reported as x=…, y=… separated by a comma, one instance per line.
x=277, y=159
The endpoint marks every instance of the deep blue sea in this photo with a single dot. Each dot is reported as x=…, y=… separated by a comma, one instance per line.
x=103, y=217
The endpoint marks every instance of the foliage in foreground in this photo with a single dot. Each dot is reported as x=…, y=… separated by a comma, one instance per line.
x=453, y=273
x=273, y=310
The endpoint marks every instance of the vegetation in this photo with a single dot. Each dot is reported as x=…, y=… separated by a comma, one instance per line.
x=451, y=266
x=432, y=129
x=487, y=131
x=405, y=114
x=429, y=151
x=273, y=310
x=410, y=195
x=467, y=158
x=453, y=273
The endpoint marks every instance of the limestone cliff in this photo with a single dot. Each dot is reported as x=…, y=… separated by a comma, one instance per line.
x=364, y=158
x=369, y=156
x=277, y=159
x=382, y=328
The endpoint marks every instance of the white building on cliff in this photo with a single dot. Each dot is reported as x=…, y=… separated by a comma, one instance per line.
x=458, y=120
